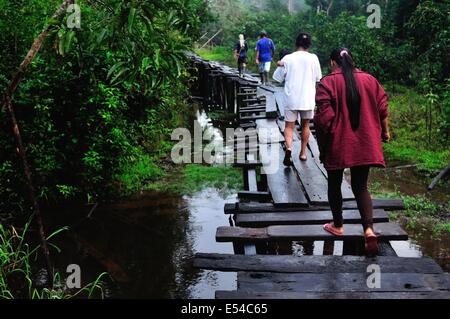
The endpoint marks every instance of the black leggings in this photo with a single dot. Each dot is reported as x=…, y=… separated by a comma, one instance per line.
x=359, y=177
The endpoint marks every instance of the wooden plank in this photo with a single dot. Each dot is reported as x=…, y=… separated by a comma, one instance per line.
x=271, y=105
x=313, y=181
x=254, y=195
x=257, y=117
x=314, y=264
x=248, y=164
x=389, y=231
x=246, y=208
x=314, y=149
x=226, y=234
x=281, y=102
x=220, y=294
x=304, y=218
x=283, y=182
x=341, y=282
x=251, y=110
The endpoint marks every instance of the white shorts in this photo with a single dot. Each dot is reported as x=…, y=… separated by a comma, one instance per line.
x=292, y=116
x=264, y=67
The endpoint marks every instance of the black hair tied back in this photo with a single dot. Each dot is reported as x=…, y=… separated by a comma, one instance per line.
x=344, y=59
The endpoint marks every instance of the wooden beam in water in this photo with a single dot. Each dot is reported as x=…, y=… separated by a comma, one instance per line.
x=220, y=294
x=341, y=282
x=314, y=264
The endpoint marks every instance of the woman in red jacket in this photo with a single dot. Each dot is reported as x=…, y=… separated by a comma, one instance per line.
x=351, y=122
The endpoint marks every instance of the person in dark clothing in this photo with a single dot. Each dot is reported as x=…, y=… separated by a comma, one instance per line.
x=351, y=122
x=240, y=54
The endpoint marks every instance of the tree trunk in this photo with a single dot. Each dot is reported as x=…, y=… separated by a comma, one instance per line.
x=7, y=101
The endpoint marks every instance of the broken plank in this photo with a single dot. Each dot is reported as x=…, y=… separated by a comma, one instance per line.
x=304, y=218
x=314, y=264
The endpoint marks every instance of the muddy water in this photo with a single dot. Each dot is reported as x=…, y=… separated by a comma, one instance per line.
x=148, y=245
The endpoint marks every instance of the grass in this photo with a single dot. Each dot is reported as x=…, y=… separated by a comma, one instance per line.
x=16, y=274
x=194, y=177
x=410, y=141
x=138, y=172
x=225, y=55
x=419, y=210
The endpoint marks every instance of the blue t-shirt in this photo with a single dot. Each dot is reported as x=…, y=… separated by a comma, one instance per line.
x=265, y=46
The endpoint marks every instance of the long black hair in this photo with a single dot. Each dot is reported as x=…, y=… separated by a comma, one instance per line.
x=344, y=59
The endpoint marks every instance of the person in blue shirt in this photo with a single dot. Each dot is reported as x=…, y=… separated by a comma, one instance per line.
x=265, y=49
x=240, y=54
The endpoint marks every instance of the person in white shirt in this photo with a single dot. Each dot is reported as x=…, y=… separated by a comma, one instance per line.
x=301, y=74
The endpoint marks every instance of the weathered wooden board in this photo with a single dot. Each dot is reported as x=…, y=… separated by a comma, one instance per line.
x=331, y=295
x=313, y=181
x=341, y=282
x=314, y=264
x=254, y=195
x=283, y=182
x=304, y=218
x=243, y=208
x=389, y=231
x=271, y=105
x=280, y=98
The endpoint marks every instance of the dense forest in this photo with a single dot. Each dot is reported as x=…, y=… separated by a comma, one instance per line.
x=408, y=53
x=97, y=105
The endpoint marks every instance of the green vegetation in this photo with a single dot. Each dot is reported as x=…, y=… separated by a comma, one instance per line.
x=16, y=271
x=423, y=213
x=419, y=89
x=98, y=104
x=193, y=178
x=410, y=135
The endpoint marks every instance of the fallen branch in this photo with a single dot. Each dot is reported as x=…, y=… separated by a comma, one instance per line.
x=442, y=174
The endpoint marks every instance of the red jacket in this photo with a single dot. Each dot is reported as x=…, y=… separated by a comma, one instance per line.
x=341, y=147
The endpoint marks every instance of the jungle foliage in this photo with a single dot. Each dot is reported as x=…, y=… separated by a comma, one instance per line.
x=98, y=104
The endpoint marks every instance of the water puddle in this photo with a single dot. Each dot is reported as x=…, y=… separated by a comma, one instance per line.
x=148, y=244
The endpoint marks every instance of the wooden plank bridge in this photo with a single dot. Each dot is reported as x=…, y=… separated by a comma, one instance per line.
x=283, y=207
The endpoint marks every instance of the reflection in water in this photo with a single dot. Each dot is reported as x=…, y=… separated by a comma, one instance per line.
x=153, y=240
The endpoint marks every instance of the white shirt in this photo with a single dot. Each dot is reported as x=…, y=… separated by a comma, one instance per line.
x=301, y=72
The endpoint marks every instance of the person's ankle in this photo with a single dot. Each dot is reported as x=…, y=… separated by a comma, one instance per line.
x=369, y=232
